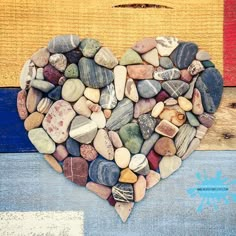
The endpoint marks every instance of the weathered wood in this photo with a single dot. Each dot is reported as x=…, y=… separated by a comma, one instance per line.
x=26, y=26
x=222, y=136
x=27, y=183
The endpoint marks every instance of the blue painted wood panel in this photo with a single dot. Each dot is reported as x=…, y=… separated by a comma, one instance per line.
x=13, y=136
x=27, y=183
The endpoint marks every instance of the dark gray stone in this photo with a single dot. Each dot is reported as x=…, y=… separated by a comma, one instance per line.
x=148, y=88
x=175, y=88
x=147, y=125
x=123, y=192
x=73, y=147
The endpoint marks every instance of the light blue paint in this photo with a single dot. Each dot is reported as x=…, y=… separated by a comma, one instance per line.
x=212, y=190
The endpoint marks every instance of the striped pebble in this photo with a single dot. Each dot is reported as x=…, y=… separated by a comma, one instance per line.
x=123, y=192
x=44, y=105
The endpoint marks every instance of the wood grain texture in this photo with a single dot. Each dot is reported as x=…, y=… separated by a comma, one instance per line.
x=13, y=137
x=230, y=42
x=27, y=184
x=26, y=26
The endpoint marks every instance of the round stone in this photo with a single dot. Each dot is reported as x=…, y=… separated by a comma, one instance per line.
x=122, y=157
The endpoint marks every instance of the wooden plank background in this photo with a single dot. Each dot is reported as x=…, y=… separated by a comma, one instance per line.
x=27, y=25
x=28, y=184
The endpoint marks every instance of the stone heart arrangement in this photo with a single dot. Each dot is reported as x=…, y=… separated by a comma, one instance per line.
x=118, y=127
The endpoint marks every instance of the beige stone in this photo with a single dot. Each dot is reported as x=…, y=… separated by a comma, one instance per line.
x=92, y=94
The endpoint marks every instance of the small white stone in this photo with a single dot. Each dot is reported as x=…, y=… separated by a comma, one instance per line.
x=59, y=61
x=122, y=157
x=99, y=119
x=120, y=73
x=157, y=109
x=81, y=107
x=92, y=94
x=166, y=45
x=28, y=73
x=151, y=57
x=39, y=74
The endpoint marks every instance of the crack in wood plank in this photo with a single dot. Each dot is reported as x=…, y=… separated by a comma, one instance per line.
x=141, y=5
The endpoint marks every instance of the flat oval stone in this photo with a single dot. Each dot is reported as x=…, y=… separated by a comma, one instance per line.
x=131, y=137
x=42, y=85
x=58, y=119
x=151, y=57
x=144, y=106
x=175, y=88
x=88, y=152
x=63, y=43
x=121, y=115
x=166, y=63
x=105, y=57
x=183, y=138
x=148, y=88
x=81, y=107
x=55, y=94
x=165, y=146
x=28, y=73
x=76, y=170
x=166, y=45
x=108, y=98
x=144, y=45
x=140, y=189
x=130, y=57
x=184, y=54
x=33, y=98
x=120, y=73
x=73, y=147
x=169, y=165
x=72, y=71
x=53, y=163
x=83, y=129
x=122, y=157
x=193, y=121
x=34, y=120
x=104, y=172
x=73, y=56
x=206, y=119
x=92, y=94
x=93, y=75
x=123, y=192
x=140, y=71
x=153, y=160
x=99, y=119
x=170, y=74
x=60, y=153
x=51, y=74
x=89, y=47
x=131, y=91
x=148, y=144
x=115, y=139
x=21, y=104
x=185, y=104
x=44, y=105
x=58, y=61
x=174, y=114
x=170, y=102
x=139, y=164
x=147, y=125
x=100, y=190
x=210, y=85
x=72, y=90
x=103, y=145
x=42, y=142
x=157, y=109
x=40, y=58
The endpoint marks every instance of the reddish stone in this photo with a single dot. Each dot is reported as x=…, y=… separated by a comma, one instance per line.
x=145, y=45
x=162, y=96
x=61, y=153
x=21, y=104
x=88, y=152
x=206, y=119
x=186, y=76
x=51, y=74
x=140, y=71
x=111, y=200
x=153, y=160
x=76, y=170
